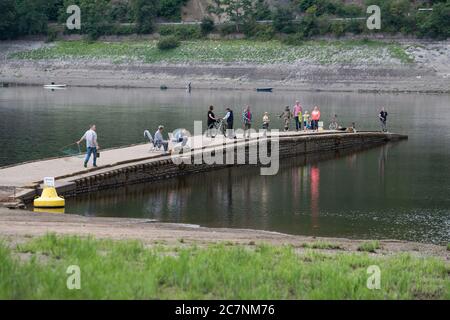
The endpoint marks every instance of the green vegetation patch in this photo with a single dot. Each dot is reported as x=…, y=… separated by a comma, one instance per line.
x=321, y=245
x=109, y=269
x=167, y=43
x=216, y=51
x=370, y=246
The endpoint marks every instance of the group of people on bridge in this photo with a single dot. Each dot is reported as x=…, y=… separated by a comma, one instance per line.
x=303, y=121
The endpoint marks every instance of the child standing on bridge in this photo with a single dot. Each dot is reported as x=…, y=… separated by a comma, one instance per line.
x=306, y=124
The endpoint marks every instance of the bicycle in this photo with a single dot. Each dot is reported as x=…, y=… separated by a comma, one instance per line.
x=334, y=125
x=219, y=126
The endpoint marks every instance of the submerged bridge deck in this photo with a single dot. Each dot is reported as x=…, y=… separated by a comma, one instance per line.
x=138, y=163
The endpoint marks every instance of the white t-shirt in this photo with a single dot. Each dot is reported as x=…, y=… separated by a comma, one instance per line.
x=158, y=136
x=227, y=115
x=91, y=138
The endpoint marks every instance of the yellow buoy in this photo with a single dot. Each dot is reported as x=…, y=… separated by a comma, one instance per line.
x=49, y=210
x=49, y=199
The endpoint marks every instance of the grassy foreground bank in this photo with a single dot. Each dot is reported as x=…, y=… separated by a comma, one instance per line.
x=128, y=270
x=246, y=51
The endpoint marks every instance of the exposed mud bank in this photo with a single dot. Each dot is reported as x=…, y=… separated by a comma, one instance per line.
x=430, y=73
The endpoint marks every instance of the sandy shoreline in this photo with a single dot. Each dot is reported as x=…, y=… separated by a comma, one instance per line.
x=17, y=225
x=430, y=73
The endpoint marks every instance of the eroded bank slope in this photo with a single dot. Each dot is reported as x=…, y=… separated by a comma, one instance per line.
x=238, y=64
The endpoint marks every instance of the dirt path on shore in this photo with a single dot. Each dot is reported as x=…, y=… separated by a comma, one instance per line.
x=429, y=73
x=17, y=225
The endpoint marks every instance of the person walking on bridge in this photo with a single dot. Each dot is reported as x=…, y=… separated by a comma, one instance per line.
x=91, y=145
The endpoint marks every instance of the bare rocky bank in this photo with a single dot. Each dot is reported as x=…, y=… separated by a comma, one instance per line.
x=429, y=72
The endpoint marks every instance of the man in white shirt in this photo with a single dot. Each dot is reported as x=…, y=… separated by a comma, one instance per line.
x=159, y=140
x=91, y=145
x=229, y=119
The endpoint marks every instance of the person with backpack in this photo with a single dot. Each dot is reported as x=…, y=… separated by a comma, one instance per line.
x=286, y=115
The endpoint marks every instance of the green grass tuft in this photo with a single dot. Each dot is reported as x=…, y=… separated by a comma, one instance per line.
x=370, y=246
x=321, y=245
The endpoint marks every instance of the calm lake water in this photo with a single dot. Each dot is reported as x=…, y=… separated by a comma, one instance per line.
x=399, y=191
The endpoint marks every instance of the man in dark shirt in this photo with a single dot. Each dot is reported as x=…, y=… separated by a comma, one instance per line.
x=211, y=119
x=383, y=118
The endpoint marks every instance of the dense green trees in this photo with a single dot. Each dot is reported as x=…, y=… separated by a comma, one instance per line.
x=99, y=17
x=397, y=16
x=31, y=16
x=282, y=20
x=23, y=17
x=437, y=23
x=171, y=9
x=144, y=12
x=96, y=17
x=304, y=18
x=8, y=15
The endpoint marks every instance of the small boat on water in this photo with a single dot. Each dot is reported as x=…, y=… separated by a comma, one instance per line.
x=264, y=89
x=55, y=86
